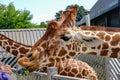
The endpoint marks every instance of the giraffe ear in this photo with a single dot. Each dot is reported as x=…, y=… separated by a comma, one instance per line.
x=53, y=24
x=90, y=41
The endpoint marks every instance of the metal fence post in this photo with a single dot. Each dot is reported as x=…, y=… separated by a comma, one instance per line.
x=118, y=75
x=107, y=68
x=87, y=18
x=51, y=71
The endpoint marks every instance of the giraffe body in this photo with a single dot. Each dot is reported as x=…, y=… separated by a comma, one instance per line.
x=76, y=68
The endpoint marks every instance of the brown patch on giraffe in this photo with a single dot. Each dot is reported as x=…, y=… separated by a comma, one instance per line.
x=107, y=37
x=93, y=53
x=74, y=46
x=16, y=45
x=85, y=72
x=93, y=34
x=51, y=64
x=14, y=52
x=63, y=59
x=101, y=35
x=63, y=73
x=67, y=56
x=5, y=43
x=69, y=47
x=70, y=74
x=8, y=48
x=92, y=47
x=79, y=75
x=67, y=69
x=115, y=40
x=57, y=59
x=84, y=49
x=23, y=50
x=114, y=55
x=52, y=60
x=116, y=50
x=87, y=33
x=99, y=47
x=13, y=47
x=38, y=49
x=44, y=45
x=10, y=42
x=62, y=52
x=104, y=53
x=105, y=46
x=72, y=53
x=0, y=43
x=54, y=54
x=74, y=70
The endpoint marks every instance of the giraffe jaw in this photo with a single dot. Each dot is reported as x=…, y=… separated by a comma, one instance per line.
x=25, y=62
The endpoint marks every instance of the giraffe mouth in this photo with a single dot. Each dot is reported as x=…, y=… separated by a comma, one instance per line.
x=30, y=65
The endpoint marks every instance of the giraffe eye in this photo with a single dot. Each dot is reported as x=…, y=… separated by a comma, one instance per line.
x=29, y=55
x=65, y=38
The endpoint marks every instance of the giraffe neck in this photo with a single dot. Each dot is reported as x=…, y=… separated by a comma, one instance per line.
x=13, y=47
x=110, y=46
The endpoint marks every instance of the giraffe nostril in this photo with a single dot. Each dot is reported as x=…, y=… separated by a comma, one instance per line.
x=29, y=55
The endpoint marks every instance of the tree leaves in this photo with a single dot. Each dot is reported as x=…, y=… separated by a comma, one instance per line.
x=10, y=18
x=80, y=13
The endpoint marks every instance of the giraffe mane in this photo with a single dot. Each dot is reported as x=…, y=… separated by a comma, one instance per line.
x=100, y=28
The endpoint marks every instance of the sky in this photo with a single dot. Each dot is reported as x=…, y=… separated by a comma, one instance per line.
x=44, y=10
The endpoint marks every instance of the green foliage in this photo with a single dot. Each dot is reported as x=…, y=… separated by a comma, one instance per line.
x=57, y=15
x=81, y=12
x=43, y=25
x=10, y=18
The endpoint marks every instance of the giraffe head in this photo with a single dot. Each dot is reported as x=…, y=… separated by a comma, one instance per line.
x=61, y=40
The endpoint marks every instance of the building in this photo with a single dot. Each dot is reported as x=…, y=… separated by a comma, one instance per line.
x=104, y=13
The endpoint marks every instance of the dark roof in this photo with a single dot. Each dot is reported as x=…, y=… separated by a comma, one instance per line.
x=100, y=7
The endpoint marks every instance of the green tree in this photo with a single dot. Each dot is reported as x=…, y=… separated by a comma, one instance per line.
x=11, y=18
x=43, y=25
x=81, y=12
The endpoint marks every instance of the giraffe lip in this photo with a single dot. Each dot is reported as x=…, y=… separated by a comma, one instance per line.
x=33, y=67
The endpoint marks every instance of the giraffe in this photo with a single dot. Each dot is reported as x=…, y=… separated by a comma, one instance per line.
x=63, y=40
x=69, y=67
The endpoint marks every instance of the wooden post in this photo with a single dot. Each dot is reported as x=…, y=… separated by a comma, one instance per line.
x=51, y=71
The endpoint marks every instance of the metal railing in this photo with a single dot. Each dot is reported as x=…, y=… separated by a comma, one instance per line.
x=51, y=75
